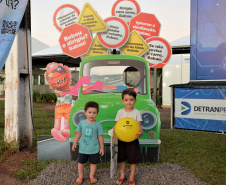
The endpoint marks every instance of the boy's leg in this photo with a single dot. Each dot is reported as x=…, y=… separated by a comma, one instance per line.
x=80, y=169
x=122, y=172
x=132, y=171
x=93, y=168
x=122, y=169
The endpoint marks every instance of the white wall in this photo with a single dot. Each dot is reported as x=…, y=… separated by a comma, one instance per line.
x=177, y=71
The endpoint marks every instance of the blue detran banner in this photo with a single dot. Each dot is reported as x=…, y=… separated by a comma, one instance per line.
x=200, y=109
x=11, y=14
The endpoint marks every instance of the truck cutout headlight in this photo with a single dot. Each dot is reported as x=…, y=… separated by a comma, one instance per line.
x=78, y=116
x=149, y=120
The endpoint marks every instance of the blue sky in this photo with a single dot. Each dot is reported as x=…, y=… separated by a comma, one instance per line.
x=174, y=16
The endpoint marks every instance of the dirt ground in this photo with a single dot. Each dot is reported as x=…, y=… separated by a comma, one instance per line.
x=13, y=161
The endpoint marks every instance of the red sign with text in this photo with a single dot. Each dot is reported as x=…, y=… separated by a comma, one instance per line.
x=75, y=40
x=147, y=25
x=159, y=52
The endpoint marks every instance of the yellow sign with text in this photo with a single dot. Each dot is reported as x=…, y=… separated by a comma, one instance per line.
x=89, y=18
x=135, y=45
x=96, y=49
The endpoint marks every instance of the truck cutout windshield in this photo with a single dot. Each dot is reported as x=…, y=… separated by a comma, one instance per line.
x=116, y=76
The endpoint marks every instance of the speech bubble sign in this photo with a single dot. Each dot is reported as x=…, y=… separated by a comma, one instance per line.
x=65, y=15
x=116, y=35
x=159, y=52
x=125, y=9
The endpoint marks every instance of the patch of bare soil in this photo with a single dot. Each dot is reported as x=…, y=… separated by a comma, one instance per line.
x=12, y=163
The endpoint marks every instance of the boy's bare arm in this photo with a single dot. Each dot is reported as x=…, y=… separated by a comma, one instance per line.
x=77, y=137
x=140, y=133
x=101, y=141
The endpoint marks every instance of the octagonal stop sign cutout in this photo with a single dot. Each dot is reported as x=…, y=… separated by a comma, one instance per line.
x=75, y=40
x=147, y=25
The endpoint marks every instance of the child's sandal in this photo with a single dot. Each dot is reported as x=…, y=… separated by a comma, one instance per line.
x=93, y=180
x=79, y=180
x=120, y=181
x=132, y=182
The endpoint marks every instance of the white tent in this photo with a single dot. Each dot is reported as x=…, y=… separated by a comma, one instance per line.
x=37, y=45
x=177, y=70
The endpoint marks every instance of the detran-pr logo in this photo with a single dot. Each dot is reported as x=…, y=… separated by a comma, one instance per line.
x=185, y=108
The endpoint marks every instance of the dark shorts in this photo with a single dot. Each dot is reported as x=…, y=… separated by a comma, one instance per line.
x=93, y=158
x=129, y=151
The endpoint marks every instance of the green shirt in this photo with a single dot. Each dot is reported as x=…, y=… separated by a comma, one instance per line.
x=89, y=143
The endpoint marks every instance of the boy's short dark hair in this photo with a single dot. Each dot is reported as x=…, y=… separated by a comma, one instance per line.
x=92, y=104
x=130, y=92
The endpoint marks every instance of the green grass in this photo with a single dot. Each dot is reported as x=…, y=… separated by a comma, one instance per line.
x=202, y=152
x=165, y=121
x=2, y=104
x=32, y=168
x=37, y=105
x=43, y=122
x=2, y=114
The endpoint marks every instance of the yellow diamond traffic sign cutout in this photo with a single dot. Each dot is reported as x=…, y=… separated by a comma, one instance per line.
x=96, y=48
x=89, y=18
x=135, y=45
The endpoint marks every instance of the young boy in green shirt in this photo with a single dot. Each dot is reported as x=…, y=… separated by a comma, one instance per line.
x=91, y=145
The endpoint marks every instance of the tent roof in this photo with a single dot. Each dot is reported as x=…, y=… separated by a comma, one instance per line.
x=181, y=42
x=37, y=45
x=53, y=50
x=48, y=54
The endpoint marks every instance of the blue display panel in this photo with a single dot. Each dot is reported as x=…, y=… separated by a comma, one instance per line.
x=200, y=109
x=208, y=40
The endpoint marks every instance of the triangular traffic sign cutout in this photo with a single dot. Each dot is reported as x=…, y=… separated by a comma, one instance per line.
x=89, y=18
x=135, y=45
x=96, y=48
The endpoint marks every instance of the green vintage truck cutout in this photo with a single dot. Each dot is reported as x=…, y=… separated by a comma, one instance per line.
x=113, y=71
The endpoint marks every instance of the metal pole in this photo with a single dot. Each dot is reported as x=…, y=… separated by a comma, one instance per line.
x=18, y=87
x=155, y=86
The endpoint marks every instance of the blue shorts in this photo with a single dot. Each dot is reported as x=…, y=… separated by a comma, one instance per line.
x=93, y=158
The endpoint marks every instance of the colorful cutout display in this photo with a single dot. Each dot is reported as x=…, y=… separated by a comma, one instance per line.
x=159, y=53
x=125, y=9
x=96, y=49
x=65, y=15
x=91, y=19
x=75, y=40
x=147, y=25
x=135, y=45
x=116, y=35
x=58, y=76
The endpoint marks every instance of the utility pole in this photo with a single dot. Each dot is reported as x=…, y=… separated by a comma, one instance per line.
x=18, y=87
x=155, y=86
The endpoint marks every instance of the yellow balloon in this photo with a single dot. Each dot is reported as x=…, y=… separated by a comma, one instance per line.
x=126, y=129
